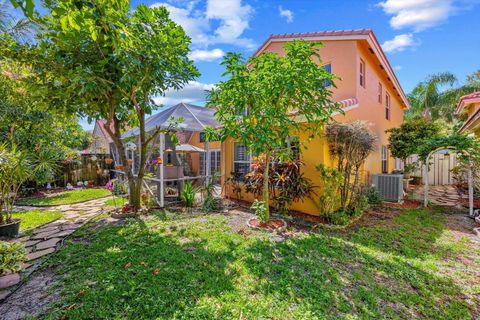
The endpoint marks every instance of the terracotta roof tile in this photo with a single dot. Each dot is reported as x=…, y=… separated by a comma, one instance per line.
x=467, y=99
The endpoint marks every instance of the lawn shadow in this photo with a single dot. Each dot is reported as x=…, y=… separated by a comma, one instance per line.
x=412, y=233
x=142, y=271
x=332, y=277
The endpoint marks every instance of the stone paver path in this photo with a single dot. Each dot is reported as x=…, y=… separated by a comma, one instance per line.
x=46, y=239
x=445, y=195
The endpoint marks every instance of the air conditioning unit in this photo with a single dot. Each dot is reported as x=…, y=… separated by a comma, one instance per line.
x=390, y=186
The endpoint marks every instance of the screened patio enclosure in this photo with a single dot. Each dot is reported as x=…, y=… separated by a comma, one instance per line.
x=169, y=165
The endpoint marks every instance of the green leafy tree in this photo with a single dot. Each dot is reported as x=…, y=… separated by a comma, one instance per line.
x=31, y=126
x=409, y=138
x=101, y=60
x=269, y=98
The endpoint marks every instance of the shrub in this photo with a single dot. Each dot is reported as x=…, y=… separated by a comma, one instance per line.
x=373, y=196
x=350, y=144
x=209, y=202
x=287, y=184
x=260, y=208
x=329, y=200
x=11, y=257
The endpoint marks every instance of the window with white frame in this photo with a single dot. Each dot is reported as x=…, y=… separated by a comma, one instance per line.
x=241, y=161
x=384, y=159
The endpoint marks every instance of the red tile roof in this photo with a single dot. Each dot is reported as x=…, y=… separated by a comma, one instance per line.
x=466, y=100
x=333, y=33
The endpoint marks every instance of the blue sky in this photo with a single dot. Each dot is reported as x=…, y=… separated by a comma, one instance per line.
x=420, y=37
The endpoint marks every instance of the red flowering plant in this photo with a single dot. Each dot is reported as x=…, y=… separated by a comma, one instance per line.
x=286, y=182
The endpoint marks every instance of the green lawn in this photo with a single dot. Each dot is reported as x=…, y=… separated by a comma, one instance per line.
x=118, y=201
x=35, y=218
x=198, y=268
x=67, y=197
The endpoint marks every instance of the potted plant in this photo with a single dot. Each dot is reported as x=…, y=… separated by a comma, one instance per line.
x=12, y=255
x=130, y=162
x=119, y=167
x=108, y=161
x=14, y=170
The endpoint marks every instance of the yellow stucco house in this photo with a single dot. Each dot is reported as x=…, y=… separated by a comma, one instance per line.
x=368, y=90
x=470, y=105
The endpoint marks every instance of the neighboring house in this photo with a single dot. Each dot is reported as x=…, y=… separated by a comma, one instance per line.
x=101, y=143
x=470, y=105
x=368, y=90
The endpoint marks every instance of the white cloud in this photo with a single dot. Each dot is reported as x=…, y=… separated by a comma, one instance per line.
x=193, y=92
x=288, y=14
x=206, y=55
x=419, y=14
x=397, y=68
x=218, y=22
x=399, y=43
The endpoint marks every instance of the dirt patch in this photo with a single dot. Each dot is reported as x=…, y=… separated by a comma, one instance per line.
x=32, y=298
x=307, y=217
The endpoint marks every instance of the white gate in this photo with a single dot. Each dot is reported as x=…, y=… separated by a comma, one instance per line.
x=441, y=164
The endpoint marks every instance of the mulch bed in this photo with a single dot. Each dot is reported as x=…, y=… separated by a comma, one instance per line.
x=476, y=203
x=273, y=224
x=407, y=204
x=307, y=217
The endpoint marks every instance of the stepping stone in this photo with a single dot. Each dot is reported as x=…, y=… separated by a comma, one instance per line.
x=9, y=280
x=45, y=229
x=58, y=222
x=22, y=239
x=31, y=243
x=39, y=254
x=61, y=234
x=50, y=243
x=44, y=235
x=70, y=226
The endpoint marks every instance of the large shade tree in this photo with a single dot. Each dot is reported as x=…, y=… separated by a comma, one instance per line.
x=270, y=98
x=102, y=60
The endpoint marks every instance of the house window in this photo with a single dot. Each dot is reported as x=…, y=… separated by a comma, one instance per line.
x=202, y=136
x=362, y=73
x=241, y=161
x=387, y=106
x=384, y=159
x=293, y=146
x=328, y=68
x=380, y=92
x=214, y=162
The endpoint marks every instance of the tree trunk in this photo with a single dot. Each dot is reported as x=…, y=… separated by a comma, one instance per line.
x=265, y=195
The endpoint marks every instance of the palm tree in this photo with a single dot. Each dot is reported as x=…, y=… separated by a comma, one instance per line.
x=19, y=28
x=429, y=101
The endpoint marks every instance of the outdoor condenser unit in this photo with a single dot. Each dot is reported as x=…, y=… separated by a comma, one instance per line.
x=390, y=186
